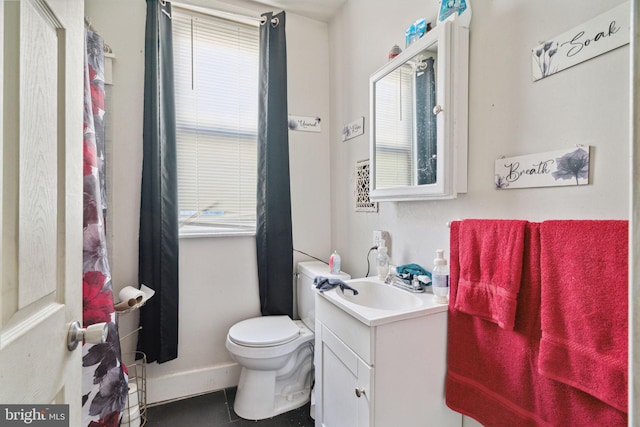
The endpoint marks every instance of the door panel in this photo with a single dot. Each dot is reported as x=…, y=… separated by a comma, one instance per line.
x=38, y=142
x=41, y=201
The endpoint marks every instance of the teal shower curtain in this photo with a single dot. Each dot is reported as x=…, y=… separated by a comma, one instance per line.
x=274, y=241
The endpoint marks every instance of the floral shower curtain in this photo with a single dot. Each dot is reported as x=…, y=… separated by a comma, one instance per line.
x=104, y=379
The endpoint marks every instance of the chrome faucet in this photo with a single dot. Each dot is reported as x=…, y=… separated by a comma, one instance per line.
x=407, y=285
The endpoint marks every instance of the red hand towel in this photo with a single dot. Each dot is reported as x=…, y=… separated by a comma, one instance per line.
x=490, y=269
x=584, y=307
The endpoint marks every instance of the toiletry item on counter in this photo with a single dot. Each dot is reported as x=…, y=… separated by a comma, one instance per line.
x=382, y=260
x=334, y=263
x=440, y=278
x=395, y=51
x=460, y=7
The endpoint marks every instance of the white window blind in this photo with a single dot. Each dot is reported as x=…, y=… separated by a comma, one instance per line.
x=216, y=91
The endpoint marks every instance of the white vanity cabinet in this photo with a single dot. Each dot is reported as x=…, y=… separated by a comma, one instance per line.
x=384, y=373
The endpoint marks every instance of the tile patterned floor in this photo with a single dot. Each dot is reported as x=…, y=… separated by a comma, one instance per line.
x=216, y=410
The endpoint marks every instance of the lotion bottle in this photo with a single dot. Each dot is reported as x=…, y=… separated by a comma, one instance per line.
x=334, y=263
x=440, y=278
x=382, y=261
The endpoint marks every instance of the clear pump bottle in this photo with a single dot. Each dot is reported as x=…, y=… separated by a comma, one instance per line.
x=440, y=278
x=382, y=261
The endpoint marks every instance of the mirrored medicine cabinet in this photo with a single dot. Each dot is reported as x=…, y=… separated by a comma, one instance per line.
x=418, y=119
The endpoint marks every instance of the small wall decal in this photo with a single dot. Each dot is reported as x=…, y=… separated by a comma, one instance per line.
x=550, y=169
x=304, y=124
x=353, y=129
x=595, y=37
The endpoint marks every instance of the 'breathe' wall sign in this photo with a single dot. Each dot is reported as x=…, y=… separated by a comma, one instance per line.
x=550, y=169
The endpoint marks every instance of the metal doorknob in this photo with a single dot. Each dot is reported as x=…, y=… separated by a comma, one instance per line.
x=92, y=334
x=360, y=392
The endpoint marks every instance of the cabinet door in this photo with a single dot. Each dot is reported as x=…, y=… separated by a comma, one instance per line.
x=346, y=384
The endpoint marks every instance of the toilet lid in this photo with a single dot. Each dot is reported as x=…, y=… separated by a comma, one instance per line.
x=264, y=331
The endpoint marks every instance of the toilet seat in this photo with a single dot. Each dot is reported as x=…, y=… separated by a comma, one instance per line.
x=265, y=331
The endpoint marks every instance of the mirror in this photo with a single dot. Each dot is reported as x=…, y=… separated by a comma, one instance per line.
x=412, y=144
x=406, y=131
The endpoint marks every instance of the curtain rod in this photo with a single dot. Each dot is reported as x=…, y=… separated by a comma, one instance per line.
x=251, y=20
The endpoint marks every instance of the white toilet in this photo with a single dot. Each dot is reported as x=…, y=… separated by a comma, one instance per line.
x=276, y=353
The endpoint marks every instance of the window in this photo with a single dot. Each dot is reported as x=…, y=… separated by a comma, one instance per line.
x=216, y=85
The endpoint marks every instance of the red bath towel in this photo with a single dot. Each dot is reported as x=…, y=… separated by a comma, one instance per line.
x=492, y=373
x=490, y=269
x=584, y=307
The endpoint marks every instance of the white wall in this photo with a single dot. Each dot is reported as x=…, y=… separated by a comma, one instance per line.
x=218, y=276
x=329, y=67
x=508, y=115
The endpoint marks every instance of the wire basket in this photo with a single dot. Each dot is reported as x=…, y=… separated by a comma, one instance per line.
x=135, y=411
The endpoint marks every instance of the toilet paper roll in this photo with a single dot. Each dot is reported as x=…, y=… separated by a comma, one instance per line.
x=131, y=413
x=131, y=417
x=131, y=297
x=133, y=395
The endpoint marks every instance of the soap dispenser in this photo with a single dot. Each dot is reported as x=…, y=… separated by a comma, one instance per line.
x=334, y=263
x=440, y=278
x=382, y=260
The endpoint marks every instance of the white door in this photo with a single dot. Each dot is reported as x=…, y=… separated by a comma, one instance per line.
x=41, y=66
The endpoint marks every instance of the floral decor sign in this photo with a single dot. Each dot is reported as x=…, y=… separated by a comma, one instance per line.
x=595, y=37
x=550, y=169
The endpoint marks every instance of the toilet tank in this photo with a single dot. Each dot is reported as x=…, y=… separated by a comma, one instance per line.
x=305, y=289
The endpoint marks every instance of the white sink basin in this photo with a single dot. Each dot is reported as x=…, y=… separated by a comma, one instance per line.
x=378, y=295
x=378, y=303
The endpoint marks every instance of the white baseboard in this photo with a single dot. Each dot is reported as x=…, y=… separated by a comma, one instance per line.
x=190, y=383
